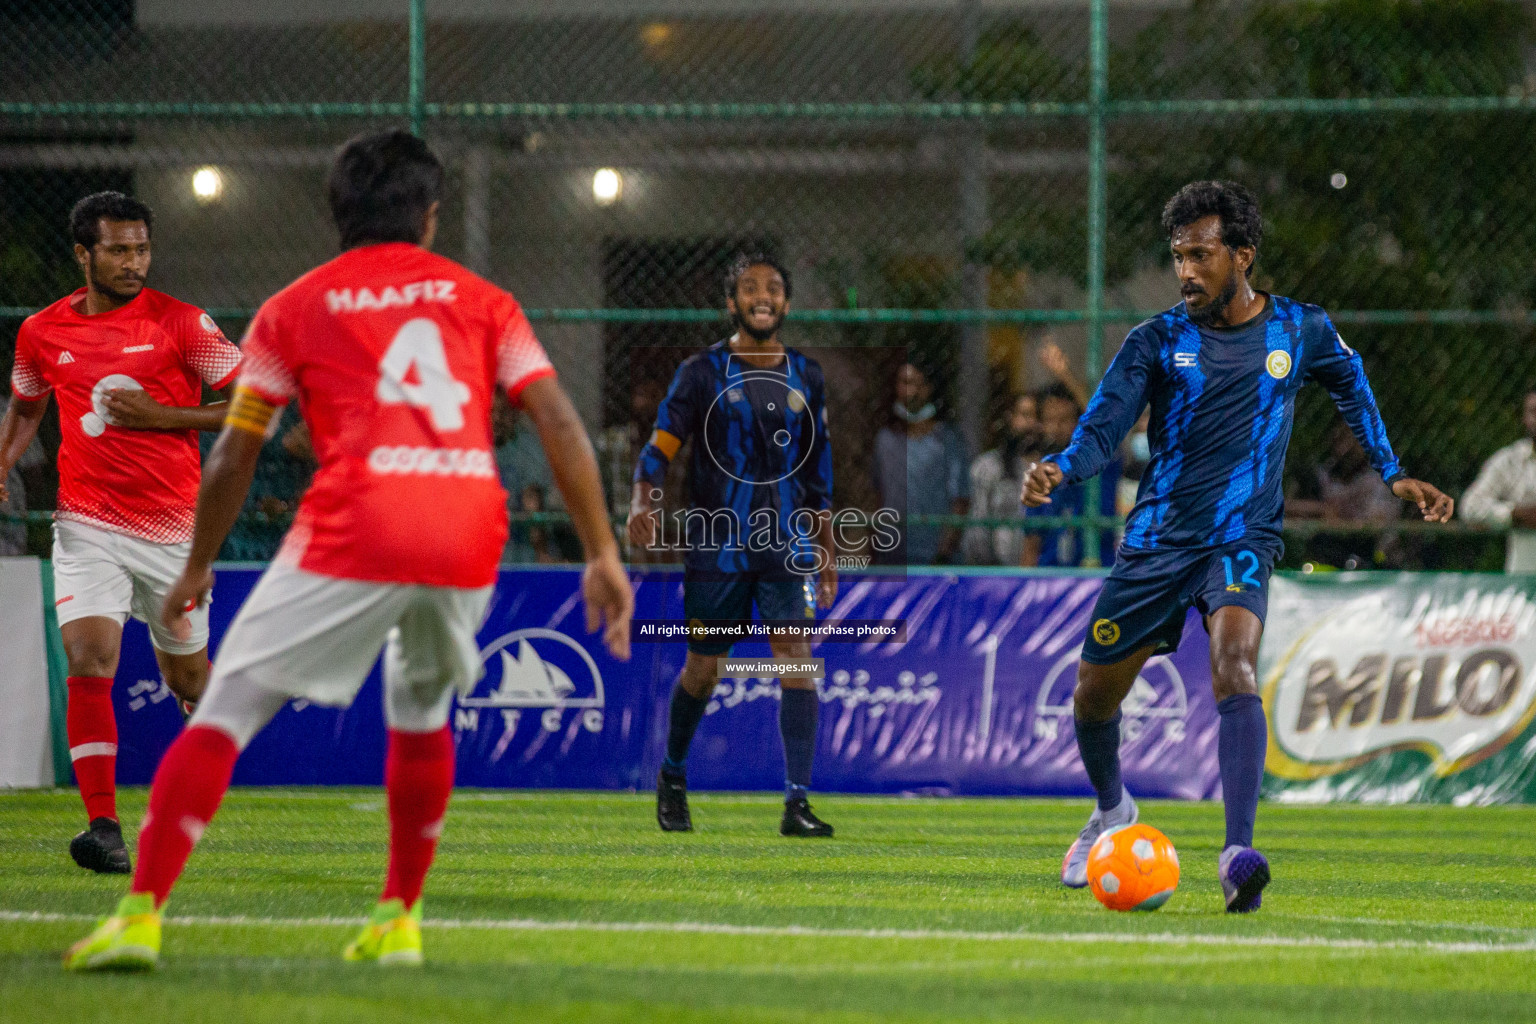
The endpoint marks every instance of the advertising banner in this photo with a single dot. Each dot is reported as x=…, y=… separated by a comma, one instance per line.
x=1396, y=688
x=976, y=701
x=1383, y=688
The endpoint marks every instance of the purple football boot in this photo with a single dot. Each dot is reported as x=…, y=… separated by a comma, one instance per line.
x=1244, y=874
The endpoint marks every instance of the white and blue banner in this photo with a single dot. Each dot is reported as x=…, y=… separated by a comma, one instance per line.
x=976, y=700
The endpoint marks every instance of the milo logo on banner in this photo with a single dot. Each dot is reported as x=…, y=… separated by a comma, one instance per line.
x=1443, y=668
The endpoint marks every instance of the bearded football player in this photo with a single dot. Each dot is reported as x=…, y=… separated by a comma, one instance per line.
x=128, y=365
x=1220, y=372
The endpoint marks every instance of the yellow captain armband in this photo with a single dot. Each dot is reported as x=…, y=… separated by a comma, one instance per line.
x=249, y=411
x=666, y=443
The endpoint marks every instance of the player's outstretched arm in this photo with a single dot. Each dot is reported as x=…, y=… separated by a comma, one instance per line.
x=1435, y=505
x=604, y=585
x=17, y=429
x=226, y=479
x=1039, y=481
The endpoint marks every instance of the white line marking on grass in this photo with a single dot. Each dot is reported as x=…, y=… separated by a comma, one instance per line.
x=800, y=931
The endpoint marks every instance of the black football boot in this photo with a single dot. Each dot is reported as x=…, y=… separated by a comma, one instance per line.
x=799, y=821
x=100, y=848
x=672, y=803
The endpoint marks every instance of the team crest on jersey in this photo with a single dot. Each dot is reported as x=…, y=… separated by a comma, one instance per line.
x=536, y=669
x=1278, y=364
x=207, y=324
x=1106, y=632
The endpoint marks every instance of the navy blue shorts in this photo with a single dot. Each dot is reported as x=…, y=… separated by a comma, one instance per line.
x=729, y=598
x=1149, y=593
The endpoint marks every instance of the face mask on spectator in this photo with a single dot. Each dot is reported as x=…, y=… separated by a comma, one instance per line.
x=919, y=416
x=1141, y=447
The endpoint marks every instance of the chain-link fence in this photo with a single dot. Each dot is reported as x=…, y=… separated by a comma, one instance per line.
x=975, y=184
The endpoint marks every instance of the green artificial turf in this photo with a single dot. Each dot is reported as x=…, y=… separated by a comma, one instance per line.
x=573, y=906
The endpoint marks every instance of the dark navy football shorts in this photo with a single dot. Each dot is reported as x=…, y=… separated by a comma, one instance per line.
x=1149, y=593
x=729, y=598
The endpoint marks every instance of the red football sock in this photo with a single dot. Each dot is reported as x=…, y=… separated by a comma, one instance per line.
x=418, y=778
x=189, y=784
x=91, y=726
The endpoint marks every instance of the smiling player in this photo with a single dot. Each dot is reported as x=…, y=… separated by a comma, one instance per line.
x=760, y=482
x=128, y=365
x=1221, y=371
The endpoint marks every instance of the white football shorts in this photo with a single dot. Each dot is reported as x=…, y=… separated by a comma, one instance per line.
x=316, y=637
x=99, y=572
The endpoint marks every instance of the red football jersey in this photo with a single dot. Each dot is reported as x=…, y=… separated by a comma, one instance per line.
x=394, y=354
x=139, y=482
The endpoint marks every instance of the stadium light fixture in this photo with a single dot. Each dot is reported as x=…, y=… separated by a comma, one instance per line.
x=607, y=186
x=207, y=184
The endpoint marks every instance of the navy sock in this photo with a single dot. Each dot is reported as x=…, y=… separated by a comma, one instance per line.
x=686, y=712
x=797, y=725
x=1240, y=747
x=1098, y=743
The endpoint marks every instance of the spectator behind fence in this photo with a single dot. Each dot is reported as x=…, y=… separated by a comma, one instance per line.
x=920, y=469
x=1504, y=493
x=526, y=477
x=283, y=471
x=13, y=533
x=997, y=478
x=1345, y=489
x=1063, y=546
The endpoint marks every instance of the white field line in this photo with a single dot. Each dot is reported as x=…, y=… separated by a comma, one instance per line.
x=798, y=931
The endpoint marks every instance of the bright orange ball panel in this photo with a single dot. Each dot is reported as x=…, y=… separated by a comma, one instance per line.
x=1133, y=868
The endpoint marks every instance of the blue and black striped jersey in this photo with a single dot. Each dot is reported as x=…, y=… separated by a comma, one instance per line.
x=761, y=454
x=1222, y=408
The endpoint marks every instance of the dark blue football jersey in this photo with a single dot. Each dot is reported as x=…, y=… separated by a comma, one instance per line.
x=761, y=459
x=1222, y=404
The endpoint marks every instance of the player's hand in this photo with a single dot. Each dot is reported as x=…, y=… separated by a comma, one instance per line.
x=1435, y=505
x=1039, y=481
x=190, y=591
x=641, y=527
x=610, y=603
x=5, y=473
x=826, y=587
x=134, y=409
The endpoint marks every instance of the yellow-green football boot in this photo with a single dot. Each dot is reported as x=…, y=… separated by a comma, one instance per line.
x=129, y=940
x=392, y=936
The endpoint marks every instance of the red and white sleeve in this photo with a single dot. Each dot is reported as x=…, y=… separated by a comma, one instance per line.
x=210, y=355
x=262, y=367
x=520, y=359
x=27, y=379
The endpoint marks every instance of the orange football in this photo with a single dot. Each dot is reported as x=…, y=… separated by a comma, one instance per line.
x=1133, y=867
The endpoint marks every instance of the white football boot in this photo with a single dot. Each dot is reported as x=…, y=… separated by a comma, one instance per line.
x=1074, y=866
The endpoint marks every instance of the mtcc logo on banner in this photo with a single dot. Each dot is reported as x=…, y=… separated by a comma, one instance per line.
x=535, y=669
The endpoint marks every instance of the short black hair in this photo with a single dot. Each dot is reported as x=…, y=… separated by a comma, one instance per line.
x=1237, y=207
x=85, y=219
x=740, y=265
x=381, y=186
